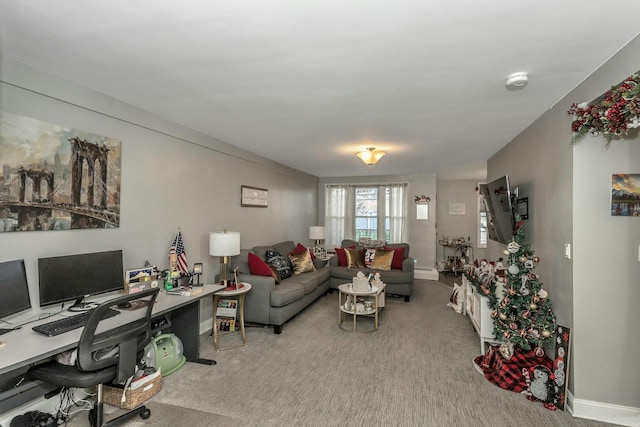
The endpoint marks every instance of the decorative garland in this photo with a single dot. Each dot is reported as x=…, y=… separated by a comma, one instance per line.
x=614, y=115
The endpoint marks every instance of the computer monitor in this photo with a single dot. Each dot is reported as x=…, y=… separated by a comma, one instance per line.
x=13, y=288
x=76, y=277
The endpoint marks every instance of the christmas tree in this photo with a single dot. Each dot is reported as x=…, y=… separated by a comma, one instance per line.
x=524, y=315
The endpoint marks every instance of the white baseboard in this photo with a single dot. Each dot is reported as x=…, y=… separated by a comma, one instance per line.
x=426, y=273
x=605, y=412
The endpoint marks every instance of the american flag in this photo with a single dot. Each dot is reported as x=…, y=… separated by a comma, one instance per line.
x=177, y=247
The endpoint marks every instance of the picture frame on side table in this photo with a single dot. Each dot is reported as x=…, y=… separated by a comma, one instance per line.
x=254, y=197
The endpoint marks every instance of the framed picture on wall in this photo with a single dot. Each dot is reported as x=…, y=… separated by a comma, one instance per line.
x=254, y=197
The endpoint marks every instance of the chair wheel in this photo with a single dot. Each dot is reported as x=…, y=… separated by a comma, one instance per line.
x=145, y=414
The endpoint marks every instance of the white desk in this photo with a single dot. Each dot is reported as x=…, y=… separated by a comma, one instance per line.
x=24, y=347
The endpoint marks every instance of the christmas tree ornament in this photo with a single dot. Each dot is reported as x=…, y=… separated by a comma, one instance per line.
x=506, y=350
x=522, y=259
x=536, y=259
x=536, y=298
x=546, y=333
x=502, y=316
x=524, y=290
x=543, y=294
x=539, y=351
x=513, y=269
x=506, y=252
x=533, y=306
x=526, y=314
x=513, y=247
x=528, y=264
x=533, y=276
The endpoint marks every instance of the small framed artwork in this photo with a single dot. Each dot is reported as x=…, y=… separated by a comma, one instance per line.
x=625, y=195
x=457, y=209
x=521, y=208
x=254, y=197
x=138, y=275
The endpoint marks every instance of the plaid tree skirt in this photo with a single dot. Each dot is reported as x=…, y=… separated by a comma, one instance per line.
x=507, y=374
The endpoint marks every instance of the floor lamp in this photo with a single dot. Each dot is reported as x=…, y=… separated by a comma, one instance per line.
x=224, y=244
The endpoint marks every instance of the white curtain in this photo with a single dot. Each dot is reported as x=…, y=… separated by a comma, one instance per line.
x=396, y=211
x=339, y=214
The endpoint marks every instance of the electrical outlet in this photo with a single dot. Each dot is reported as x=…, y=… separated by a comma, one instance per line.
x=567, y=250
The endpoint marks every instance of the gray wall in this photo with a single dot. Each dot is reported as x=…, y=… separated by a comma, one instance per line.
x=569, y=190
x=422, y=234
x=171, y=177
x=458, y=191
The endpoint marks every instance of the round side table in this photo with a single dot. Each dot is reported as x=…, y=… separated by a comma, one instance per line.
x=233, y=293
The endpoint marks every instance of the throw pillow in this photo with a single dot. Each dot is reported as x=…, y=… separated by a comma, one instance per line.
x=398, y=257
x=342, y=257
x=279, y=263
x=455, y=301
x=302, y=263
x=369, y=255
x=260, y=268
x=300, y=248
x=382, y=260
x=355, y=258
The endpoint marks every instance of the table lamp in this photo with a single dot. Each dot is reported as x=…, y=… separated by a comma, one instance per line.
x=224, y=244
x=316, y=232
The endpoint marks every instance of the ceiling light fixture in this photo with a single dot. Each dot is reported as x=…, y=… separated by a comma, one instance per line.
x=370, y=155
x=517, y=80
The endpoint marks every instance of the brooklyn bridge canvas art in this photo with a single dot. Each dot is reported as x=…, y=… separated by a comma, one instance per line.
x=56, y=178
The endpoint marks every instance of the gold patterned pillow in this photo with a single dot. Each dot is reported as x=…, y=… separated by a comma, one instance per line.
x=355, y=258
x=302, y=262
x=382, y=260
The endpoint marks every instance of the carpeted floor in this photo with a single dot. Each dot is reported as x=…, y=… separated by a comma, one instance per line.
x=415, y=370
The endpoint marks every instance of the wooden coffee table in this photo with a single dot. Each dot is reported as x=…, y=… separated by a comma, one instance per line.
x=375, y=296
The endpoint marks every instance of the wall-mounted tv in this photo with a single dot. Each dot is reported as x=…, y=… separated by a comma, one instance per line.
x=499, y=207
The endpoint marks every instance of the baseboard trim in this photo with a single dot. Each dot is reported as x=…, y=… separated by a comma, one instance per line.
x=605, y=412
x=426, y=273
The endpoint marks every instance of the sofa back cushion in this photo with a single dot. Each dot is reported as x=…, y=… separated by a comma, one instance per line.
x=241, y=262
x=285, y=248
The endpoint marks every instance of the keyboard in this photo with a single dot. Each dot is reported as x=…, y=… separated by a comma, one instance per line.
x=70, y=323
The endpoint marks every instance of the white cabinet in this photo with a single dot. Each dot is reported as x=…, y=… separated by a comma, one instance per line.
x=478, y=310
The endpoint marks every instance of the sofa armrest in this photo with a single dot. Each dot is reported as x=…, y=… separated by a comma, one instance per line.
x=407, y=264
x=258, y=300
x=334, y=261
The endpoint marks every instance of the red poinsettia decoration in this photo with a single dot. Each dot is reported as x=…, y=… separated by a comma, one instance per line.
x=615, y=114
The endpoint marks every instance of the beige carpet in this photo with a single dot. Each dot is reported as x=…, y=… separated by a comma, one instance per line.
x=415, y=370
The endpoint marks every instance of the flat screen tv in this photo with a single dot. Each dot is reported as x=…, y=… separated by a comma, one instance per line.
x=14, y=288
x=76, y=277
x=499, y=207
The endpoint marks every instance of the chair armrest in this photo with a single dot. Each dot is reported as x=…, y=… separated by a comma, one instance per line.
x=407, y=264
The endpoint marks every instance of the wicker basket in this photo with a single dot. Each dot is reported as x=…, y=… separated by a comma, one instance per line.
x=133, y=398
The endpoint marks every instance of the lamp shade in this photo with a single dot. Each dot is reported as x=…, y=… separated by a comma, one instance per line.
x=316, y=232
x=224, y=243
x=370, y=155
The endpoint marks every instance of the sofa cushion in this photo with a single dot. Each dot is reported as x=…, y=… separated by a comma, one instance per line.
x=300, y=248
x=285, y=248
x=261, y=251
x=382, y=260
x=286, y=293
x=342, y=257
x=355, y=258
x=302, y=262
x=310, y=281
x=398, y=256
x=279, y=263
x=369, y=255
x=259, y=267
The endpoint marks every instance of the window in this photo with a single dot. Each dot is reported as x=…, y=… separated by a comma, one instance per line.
x=483, y=218
x=365, y=211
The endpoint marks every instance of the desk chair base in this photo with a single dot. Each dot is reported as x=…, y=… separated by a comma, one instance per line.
x=96, y=415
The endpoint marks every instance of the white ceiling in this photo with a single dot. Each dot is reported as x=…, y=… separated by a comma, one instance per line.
x=308, y=83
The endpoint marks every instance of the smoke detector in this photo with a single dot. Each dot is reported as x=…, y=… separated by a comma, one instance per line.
x=517, y=80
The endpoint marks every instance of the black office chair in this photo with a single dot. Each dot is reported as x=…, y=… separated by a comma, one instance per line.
x=98, y=362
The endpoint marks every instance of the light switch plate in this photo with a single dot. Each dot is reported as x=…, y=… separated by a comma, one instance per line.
x=567, y=250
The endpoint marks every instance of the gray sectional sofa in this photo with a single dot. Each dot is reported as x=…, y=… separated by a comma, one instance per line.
x=399, y=282
x=269, y=303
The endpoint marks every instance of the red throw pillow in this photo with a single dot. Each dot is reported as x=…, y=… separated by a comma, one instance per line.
x=398, y=257
x=300, y=249
x=257, y=266
x=342, y=257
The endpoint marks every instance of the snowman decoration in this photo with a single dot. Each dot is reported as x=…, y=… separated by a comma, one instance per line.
x=542, y=386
